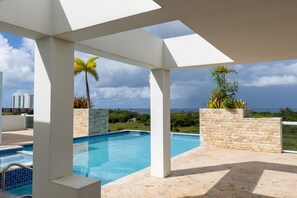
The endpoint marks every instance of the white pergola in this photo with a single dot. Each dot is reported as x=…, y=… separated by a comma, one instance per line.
x=227, y=32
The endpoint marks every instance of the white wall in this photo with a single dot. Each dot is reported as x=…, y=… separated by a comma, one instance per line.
x=13, y=122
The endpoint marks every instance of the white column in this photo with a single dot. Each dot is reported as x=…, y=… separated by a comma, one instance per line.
x=160, y=123
x=53, y=123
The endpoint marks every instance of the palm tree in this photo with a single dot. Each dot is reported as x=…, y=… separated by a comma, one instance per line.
x=88, y=67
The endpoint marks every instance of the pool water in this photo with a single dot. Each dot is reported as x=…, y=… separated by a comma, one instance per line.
x=112, y=156
x=14, y=157
x=24, y=190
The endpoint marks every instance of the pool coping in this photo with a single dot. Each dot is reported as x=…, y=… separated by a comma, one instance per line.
x=29, y=143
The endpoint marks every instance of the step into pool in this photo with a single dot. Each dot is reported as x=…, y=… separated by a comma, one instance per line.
x=14, y=157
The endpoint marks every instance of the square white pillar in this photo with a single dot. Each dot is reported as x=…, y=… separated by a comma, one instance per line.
x=53, y=119
x=160, y=122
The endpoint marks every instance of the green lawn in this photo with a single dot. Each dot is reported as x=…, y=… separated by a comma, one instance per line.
x=290, y=138
x=190, y=129
x=127, y=125
x=140, y=126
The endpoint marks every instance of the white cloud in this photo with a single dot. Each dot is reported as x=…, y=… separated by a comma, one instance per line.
x=17, y=65
x=123, y=85
x=122, y=93
x=117, y=81
x=264, y=81
x=23, y=91
x=267, y=74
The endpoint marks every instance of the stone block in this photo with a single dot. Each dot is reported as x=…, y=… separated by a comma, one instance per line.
x=232, y=129
x=90, y=122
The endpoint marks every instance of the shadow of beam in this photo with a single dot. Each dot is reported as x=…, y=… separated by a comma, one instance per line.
x=240, y=181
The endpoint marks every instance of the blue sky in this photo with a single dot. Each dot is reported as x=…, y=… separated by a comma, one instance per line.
x=262, y=85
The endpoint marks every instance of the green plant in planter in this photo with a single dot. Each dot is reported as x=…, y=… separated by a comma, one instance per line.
x=80, y=102
x=223, y=96
x=239, y=104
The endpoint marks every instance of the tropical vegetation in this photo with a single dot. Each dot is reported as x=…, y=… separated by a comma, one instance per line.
x=88, y=67
x=223, y=96
x=80, y=102
x=188, y=122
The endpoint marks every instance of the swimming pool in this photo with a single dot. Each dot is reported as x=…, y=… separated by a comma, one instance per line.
x=112, y=156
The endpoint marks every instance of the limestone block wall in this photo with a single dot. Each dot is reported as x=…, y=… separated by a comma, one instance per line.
x=90, y=122
x=233, y=129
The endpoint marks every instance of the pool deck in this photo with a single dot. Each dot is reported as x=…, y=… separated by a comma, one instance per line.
x=210, y=172
x=12, y=138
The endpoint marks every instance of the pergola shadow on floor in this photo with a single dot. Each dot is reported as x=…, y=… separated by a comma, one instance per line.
x=206, y=172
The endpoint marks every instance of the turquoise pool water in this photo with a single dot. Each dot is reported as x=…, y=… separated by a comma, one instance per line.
x=24, y=190
x=8, y=158
x=110, y=157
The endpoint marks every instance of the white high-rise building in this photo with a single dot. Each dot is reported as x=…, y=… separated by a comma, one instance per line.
x=22, y=101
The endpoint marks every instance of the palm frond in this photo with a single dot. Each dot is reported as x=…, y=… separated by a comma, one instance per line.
x=91, y=62
x=91, y=65
x=78, y=69
x=93, y=73
x=78, y=61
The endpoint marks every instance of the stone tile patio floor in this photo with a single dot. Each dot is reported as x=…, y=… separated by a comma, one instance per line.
x=11, y=138
x=209, y=172
x=16, y=138
x=204, y=172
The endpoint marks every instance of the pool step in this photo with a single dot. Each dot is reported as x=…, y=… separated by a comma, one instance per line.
x=25, y=196
x=11, y=158
x=25, y=152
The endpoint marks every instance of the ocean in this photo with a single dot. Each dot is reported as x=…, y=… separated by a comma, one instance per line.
x=147, y=111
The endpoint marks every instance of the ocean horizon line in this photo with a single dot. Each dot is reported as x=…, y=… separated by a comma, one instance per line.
x=176, y=110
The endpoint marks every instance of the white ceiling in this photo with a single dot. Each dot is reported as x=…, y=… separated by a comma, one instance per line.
x=226, y=31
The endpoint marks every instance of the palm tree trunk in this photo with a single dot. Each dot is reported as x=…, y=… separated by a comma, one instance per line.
x=87, y=90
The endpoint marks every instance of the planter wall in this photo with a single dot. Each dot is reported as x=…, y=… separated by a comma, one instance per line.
x=233, y=129
x=90, y=122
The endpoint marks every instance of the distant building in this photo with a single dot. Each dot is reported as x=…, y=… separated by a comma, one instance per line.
x=22, y=101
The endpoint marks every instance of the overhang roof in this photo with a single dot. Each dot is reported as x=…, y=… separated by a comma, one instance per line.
x=227, y=31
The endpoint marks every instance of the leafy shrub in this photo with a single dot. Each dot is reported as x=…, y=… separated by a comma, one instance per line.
x=184, y=119
x=228, y=103
x=223, y=96
x=144, y=118
x=80, y=102
x=239, y=104
x=121, y=116
x=214, y=102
